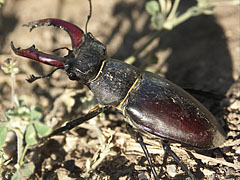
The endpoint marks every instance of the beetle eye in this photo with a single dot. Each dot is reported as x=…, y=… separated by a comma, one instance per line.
x=72, y=76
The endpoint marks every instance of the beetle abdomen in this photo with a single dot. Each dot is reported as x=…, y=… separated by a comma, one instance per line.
x=158, y=106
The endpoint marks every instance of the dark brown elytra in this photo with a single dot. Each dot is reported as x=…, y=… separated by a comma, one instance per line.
x=151, y=105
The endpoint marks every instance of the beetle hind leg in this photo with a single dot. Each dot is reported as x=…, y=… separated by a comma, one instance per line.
x=139, y=139
x=167, y=148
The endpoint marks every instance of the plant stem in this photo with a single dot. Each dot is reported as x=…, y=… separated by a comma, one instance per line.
x=132, y=59
x=174, y=10
x=23, y=154
x=19, y=145
x=12, y=88
x=162, y=5
x=171, y=22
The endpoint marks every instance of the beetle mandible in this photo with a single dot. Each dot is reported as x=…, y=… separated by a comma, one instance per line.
x=151, y=104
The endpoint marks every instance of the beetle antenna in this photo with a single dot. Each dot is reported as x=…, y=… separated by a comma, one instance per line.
x=90, y=14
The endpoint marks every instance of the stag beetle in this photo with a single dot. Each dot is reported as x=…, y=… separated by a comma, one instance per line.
x=152, y=105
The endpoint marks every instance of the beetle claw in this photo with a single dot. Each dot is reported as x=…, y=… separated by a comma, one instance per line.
x=76, y=34
x=39, y=56
x=32, y=78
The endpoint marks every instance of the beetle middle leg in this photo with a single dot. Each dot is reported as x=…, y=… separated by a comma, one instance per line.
x=139, y=139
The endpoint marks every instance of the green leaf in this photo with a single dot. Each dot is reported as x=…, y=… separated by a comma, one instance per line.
x=1, y=2
x=158, y=20
x=3, y=135
x=42, y=129
x=35, y=113
x=30, y=135
x=19, y=112
x=152, y=7
x=16, y=176
x=27, y=169
x=5, y=69
x=9, y=66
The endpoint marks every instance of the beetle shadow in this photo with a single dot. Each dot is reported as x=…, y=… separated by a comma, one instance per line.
x=41, y=153
x=123, y=11
x=199, y=57
x=199, y=60
x=119, y=162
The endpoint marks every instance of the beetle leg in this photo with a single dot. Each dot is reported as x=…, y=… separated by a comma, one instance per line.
x=69, y=50
x=167, y=148
x=36, y=55
x=139, y=139
x=74, y=32
x=97, y=110
x=34, y=78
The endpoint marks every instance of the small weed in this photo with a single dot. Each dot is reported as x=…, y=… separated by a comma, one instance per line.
x=25, y=122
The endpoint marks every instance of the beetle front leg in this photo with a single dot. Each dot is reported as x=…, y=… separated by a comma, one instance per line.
x=33, y=78
x=93, y=113
x=167, y=148
x=139, y=139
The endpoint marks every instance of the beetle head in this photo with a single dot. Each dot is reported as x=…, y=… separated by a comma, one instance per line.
x=86, y=60
x=82, y=62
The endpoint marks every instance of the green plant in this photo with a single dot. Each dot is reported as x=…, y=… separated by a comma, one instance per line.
x=9, y=67
x=1, y=3
x=25, y=122
x=165, y=17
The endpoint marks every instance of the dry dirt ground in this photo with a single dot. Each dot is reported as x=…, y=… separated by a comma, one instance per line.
x=202, y=53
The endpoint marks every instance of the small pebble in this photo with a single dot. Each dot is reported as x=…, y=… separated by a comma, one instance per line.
x=172, y=170
x=207, y=172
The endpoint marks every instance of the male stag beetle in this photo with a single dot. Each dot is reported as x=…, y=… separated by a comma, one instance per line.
x=151, y=104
